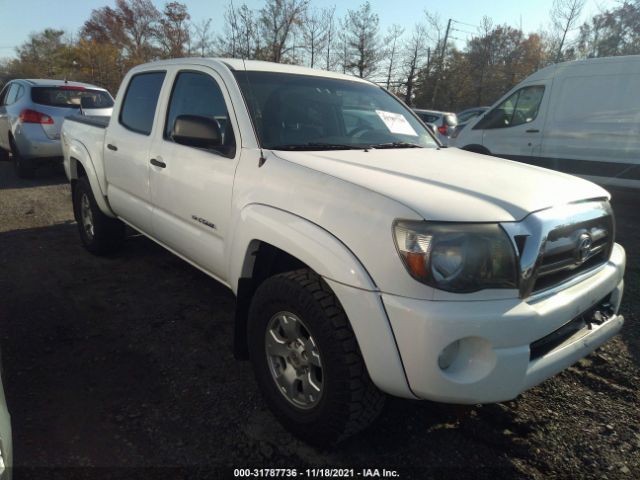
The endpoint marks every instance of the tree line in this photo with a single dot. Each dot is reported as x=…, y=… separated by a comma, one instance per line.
x=426, y=64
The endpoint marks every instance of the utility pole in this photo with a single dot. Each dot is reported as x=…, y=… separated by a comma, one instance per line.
x=441, y=64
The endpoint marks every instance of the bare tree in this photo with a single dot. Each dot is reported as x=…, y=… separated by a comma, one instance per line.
x=331, y=40
x=314, y=33
x=202, y=36
x=277, y=19
x=363, y=40
x=343, y=54
x=391, y=40
x=414, y=59
x=565, y=15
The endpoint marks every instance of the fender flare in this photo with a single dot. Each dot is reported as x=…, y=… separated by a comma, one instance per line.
x=338, y=265
x=302, y=239
x=78, y=153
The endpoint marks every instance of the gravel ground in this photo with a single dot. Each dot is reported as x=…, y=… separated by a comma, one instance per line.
x=126, y=361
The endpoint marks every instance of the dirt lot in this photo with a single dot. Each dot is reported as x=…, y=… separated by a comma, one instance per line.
x=127, y=362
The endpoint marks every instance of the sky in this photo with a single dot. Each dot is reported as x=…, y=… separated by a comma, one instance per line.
x=19, y=18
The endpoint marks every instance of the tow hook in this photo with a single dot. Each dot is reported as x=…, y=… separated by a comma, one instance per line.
x=601, y=315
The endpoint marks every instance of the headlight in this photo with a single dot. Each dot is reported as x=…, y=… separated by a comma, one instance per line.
x=457, y=257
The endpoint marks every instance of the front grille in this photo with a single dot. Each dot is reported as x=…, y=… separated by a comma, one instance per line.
x=557, y=244
x=566, y=252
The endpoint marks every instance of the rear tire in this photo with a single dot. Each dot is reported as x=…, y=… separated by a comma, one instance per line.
x=99, y=233
x=343, y=399
x=25, y=167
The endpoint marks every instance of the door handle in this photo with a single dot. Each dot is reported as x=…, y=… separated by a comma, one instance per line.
x=158, y=163
x=112, y=147
x=533, y=130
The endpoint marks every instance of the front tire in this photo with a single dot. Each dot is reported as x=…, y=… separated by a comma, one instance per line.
x=307, y=361
x=99, y=233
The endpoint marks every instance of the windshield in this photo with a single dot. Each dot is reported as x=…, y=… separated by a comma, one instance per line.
x=71, y=97
x=314, y=113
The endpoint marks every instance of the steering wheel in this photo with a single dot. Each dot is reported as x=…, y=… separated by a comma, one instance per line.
x=519, y=118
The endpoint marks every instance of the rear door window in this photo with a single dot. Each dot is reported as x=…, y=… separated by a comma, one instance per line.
x=70, y=97
x=140, y=100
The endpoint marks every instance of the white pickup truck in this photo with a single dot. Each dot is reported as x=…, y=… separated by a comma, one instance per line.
x=365, y=258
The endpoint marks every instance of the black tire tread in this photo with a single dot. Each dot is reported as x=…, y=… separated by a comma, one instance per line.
x=109, y=232
x=364, y=400
x=25, y=167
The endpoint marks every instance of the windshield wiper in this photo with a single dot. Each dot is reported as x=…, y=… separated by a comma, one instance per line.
x=396, y=145
x=318, y=146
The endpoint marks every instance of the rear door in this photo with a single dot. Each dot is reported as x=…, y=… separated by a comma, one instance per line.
x=126, y=153
x=191, y=186
x=513, y=129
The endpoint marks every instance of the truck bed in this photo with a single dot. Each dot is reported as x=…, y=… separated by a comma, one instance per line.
x=94, y=121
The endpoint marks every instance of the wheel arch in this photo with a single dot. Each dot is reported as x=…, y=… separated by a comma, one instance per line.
x=80, y=163
x=268, y=241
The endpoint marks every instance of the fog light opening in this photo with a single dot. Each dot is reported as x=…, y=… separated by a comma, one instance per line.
x=448, y=355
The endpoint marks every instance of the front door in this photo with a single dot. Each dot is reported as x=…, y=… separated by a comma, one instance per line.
x=191, y=183
x=513, y=129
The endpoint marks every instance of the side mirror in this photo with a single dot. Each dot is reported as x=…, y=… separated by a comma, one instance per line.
x=196, y=131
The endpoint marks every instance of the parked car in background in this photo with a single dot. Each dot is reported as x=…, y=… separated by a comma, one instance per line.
x=465, y=115
x=580, y=117
x=31, y=116
x=364, y=258
x=445, y=122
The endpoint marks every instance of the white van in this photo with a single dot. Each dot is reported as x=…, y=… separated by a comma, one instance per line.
x=580, y=117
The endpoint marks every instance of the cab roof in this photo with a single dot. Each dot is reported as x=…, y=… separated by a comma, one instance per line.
x=237, y=64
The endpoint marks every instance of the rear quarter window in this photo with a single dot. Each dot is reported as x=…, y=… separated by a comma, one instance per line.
x=140, y=101
x=428, y=118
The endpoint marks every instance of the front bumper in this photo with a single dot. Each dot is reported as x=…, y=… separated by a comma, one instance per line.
x=493, y=361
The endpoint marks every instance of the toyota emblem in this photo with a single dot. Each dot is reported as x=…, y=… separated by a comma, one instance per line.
x=583, y=248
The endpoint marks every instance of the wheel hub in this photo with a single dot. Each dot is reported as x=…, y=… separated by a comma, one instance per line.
x=86, y=216
x=294, y=360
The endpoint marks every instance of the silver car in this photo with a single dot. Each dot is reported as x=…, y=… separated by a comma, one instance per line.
x=31, y=116
x=444, y=122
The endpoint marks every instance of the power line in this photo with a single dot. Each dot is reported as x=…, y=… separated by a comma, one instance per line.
x=467, y=24
x=463, y=31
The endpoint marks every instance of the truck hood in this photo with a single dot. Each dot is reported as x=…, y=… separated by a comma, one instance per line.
x=451, y=184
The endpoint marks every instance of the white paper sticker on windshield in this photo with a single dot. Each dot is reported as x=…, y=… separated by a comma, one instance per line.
x=396, y=123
